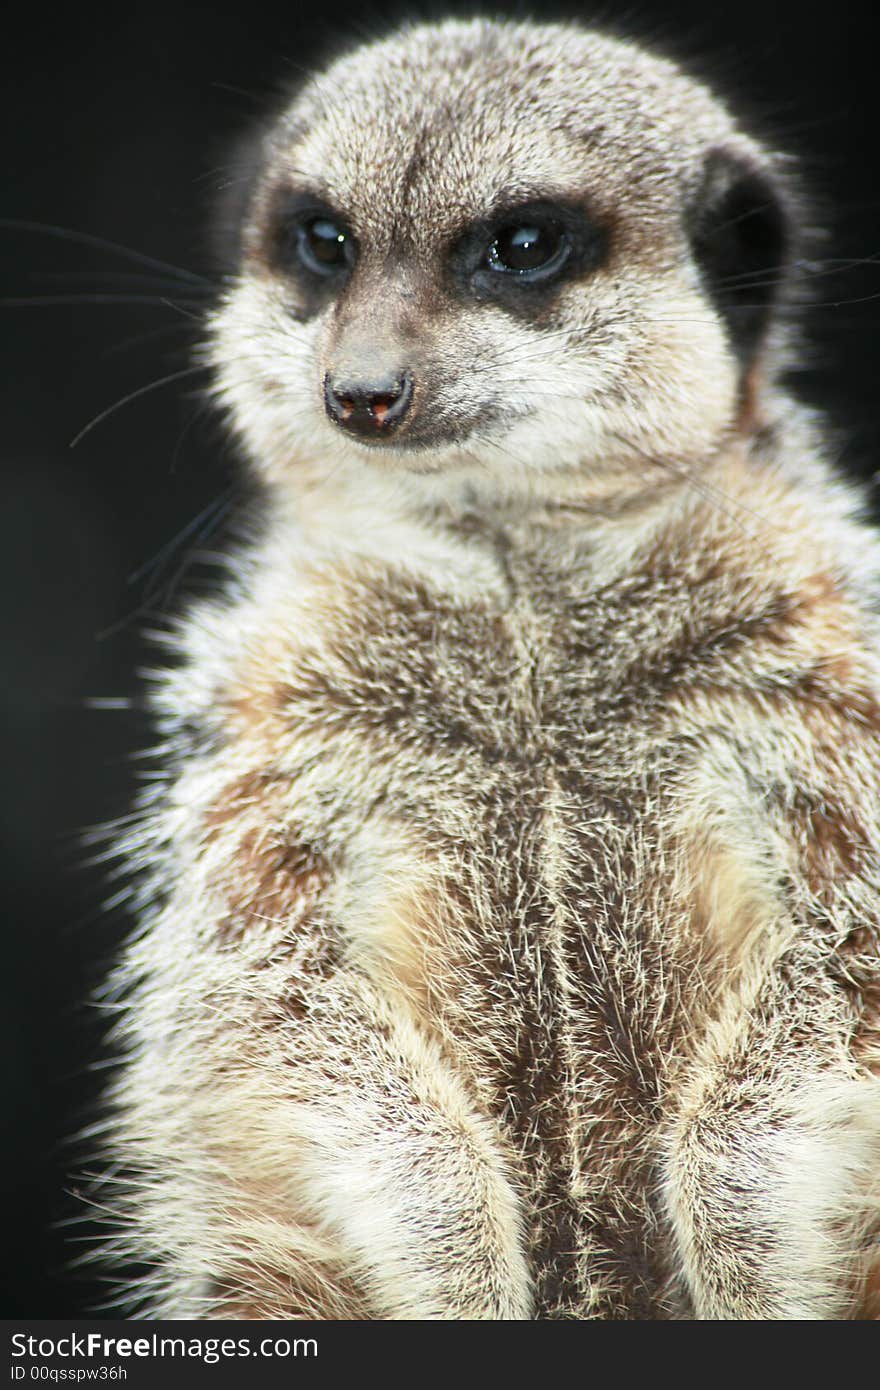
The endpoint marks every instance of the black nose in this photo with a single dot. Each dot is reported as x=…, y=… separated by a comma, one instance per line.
x=368, y=408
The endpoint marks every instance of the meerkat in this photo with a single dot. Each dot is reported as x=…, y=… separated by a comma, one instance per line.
x=510, y=891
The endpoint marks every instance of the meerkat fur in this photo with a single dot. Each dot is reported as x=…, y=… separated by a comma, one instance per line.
x=509, y=896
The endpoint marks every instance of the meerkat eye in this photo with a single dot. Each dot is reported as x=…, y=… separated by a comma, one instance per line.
x=305, y=237
x=324, y=246
x=528, y=248
x=522, y=252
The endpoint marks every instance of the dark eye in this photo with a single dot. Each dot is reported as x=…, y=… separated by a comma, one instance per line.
x=324, y=246
x=528, y=249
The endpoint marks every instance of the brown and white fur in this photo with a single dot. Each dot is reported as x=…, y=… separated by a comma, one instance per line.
x=509, y=945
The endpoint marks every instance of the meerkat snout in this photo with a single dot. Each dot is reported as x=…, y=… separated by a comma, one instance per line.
x=369, y=407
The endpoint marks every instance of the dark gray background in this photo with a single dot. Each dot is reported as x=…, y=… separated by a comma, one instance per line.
x=118, y=127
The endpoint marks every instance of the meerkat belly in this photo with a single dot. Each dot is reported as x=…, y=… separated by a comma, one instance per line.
x=446, y=794
x=555, y=1002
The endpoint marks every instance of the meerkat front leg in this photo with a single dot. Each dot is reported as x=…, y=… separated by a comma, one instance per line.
x=769, y=1178
x=393, y=1158
x=341, y=1139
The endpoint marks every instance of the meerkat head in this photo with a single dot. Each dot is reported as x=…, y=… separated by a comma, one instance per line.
x=500, y=251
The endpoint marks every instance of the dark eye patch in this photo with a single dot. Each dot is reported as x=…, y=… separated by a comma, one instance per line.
x=521, y=254
x=307, y=239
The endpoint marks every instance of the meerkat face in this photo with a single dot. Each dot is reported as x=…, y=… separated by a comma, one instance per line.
x=499, y=250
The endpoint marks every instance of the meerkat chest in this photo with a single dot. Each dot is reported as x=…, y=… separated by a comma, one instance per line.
x=478, y=749
x=382, y=691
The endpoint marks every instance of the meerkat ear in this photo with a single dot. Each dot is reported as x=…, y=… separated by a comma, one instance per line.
x=739, y=229
x=233, y=199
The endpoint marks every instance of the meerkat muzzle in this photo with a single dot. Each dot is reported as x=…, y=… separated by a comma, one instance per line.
x=368, y=408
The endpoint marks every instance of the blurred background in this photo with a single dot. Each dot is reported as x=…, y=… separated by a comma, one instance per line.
x=113, y=473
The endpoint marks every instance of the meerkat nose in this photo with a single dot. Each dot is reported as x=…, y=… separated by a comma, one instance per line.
x=368, y=408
